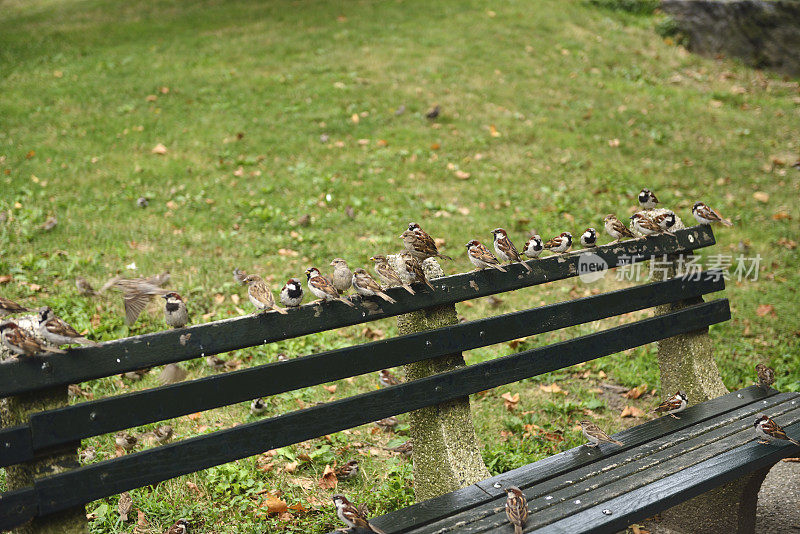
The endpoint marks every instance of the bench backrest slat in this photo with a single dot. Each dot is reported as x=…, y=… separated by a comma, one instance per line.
x=92, y=418
x=110, y=477
x=108, y=359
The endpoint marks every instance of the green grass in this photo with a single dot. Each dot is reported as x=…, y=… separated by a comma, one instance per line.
x=251, y=88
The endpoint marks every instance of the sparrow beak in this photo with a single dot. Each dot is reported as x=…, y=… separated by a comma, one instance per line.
x=164, y=297
x=632, y=216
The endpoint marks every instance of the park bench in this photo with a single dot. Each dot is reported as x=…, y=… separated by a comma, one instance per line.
x=662, y=463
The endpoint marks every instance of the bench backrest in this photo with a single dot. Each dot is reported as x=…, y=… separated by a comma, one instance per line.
x=49, y=430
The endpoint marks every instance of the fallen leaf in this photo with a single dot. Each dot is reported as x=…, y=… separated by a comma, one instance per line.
x=462, y=175
x=636, y=392
x=194, y=416
x=141, y=520
x=298, y=507
x=553, y=388
x=631, y=411
x=303, y=482
x=287, y=252
x=219, y=298
x=761, y=196
x=613, y=143
x=493, y=131
x=787, y=243
x=235, y=298
x=372, y=333
x=436, y=146
x=164, y=90
x=273, y=504
x=291, y=467
x=765, y=309
x=552, y=436
x=781, y=215
x=328, y=480
x=172, y=205
x=510, y=401
x=330, y=389
x=159, y=149
x=192, y=486
x=355, y=118
x=6, y=278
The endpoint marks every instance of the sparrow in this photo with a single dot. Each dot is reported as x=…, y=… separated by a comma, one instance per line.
x=434, y=112
x=480, y=256
x=342, y=277
x=215, y=362
x=768, y=431
x=516, y=508
x=50, y=223
x=292, y=293
x=766, y=376
x=21, y=342
x=84, y=287
x=647, y=199
x=239, y=276
x=163, y=433
x=505, y=249
x=57, y=332
x=8, y=307
x=671, y=406
x=615, y=228
x=387, y=274
x=365, y=286
x=706, y=215
x=348, y=470
x=589, y=238
x=137, y=294
x=258, y=406
x=411, y=270
x=645, y=226
x=172, y=373
x=260, y=295
x=388, y=423
x=665, y=220
x=420, y=245
x=142, y=202
x=386, y=378
x=180, y=527
x=352, y=516
x=135, y=375
x=560, y=243
x=124, y=506
x=533, y=247
x=125, y=440
x=282, y=357
x=322, y=288
x=88, y=455
x=404, y=448
x=595, y=435
x=175, y=313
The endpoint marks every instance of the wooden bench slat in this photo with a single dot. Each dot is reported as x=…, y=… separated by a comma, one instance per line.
x=712, y=413
x=115, y=357
x=17, y=507
x=615, y=473
x=110, y=477
x=15, y=445
x=102, y=416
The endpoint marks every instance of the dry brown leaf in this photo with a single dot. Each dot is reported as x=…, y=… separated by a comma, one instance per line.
x=636, y=392
x=328, y=480
x=235, y=299
x=781, y=215
x=219, y=298
x=291, y=467
x=194, y=416
x=141, y=520
x=298, y=507
x=355, y=118
x=761, y=196
x=273, y=504
x=510, y=401
x=631, y=411
x=787, y=243
x=373, y=333
x=172, y=205
x=765, y=309
x=6, y=278
x=159, y=149
x=613, y=143
x=303, y=482
x=493, y=131
x=192, y=486
x=287, y=252
x=553, y=388
x=462, y=175
x=331, y=388
x=436, y=146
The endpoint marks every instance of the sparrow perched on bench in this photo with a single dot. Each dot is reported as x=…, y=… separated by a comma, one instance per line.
x=766, y=376
x=647, y=199
x=352, y=516
x=348, y=470
x=665, y=220
x=175, y=313
x=480, y=256
x=387, y=274
x=292, y=293
x=645, y=225
x=8, y=307
x=533, y=247
x=560, y=243
x=595, y=434
x=505, y=249
x=768, y=431
x=386, y=378
x=322, y=288
x=21, y=342
x=706, y=215
x=124, y=506
x=420, y=244
x=674, y=404
x=258, y=406
x=342, y=277
x=589, y=238
x=180, y=527
x=615, y=228
x=410, y=270
x=57, y=332
x=516, y=508
x=365, y=286
x=260, y=295
x=125, y=441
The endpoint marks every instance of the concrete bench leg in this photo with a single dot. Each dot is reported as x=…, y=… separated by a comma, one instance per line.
x=730, y=509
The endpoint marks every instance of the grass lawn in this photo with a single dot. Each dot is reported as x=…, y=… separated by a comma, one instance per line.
x=294, y=132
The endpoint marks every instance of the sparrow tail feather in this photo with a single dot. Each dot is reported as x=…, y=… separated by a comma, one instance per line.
x=517, y=529
x=445, y=257
x=497, y=267
x=794, y=441
x=54, y=350
x=726, y=222
x=346, y=301
x=386, y=297
x=528, y=267
x=408, y=288
x=280, y=310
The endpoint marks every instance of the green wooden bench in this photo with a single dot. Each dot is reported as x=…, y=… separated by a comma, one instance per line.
x=661, y=463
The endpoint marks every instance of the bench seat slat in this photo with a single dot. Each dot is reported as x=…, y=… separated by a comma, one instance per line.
x=115, y=413
x=15, y=445
x=711, y=413
x=130, y=354
x=114, y=476
x=17, y=507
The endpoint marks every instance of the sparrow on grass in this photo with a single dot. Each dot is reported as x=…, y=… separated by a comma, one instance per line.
x=124, y=506
x=348, y=470
x=386, y=378
x=258, y=406
x=674, y=404
x=125, y=441
x=84, y=287
x=9, y=307
x=516, y=508
x=180, y=527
